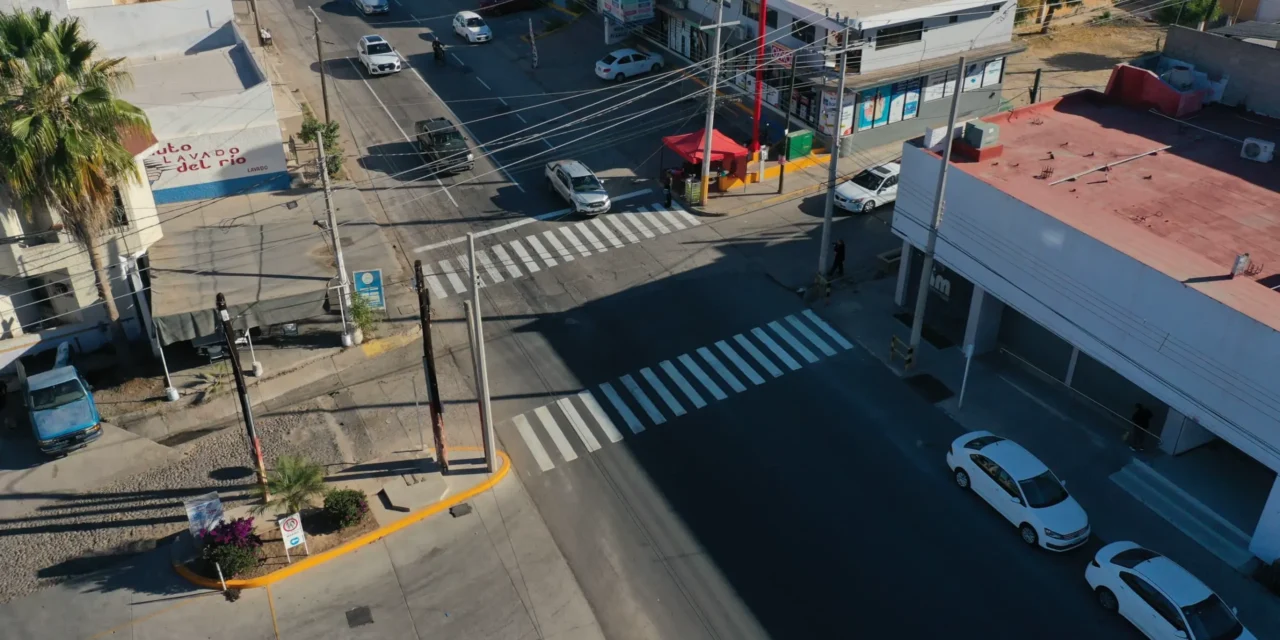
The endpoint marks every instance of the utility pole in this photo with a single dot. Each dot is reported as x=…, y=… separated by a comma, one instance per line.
x=922, y=290
x=838, y=129
x=760, y=62
x=344, y=286
x=482, y=368
x=711, y=97
x=533, y=46
x=786, y=128
x=324, y=85
x=257, y=24
x=246, y=407
x=434, y=406
x=1035, y=88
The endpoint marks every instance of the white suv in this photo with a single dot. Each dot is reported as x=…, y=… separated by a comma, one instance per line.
x=578, y=186
x=378, y=56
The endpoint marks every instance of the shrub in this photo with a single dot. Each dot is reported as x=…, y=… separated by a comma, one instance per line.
x=346, y=507
x=294, y=484
x=363, y=314
x=313, y=129
x=1189, y=13
x=233, y=560
x=236, y=533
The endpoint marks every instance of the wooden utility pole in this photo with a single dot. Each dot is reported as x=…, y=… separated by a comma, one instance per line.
x=246, y=407
x=324, y=84
x=429, y=368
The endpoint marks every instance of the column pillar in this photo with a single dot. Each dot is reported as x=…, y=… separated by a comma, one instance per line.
x=983, y=327
x=904, y=275
x=1266, y=537
x=1181, y=434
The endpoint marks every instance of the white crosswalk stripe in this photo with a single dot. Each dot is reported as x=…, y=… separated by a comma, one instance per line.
x=793, y=342
x=487, y=264
x=702, y=377
x=777, y=349
x=759, y=357
x=722, y=370
x=685, y=215
x=557, y=436
x=645, y=403
x=621, y=407
x=668, y=216
x=574, y=243
x=531, y=440
x=558, y=246
x=627, y=233
x=433, y=281
x=540, y=251
x=452, y=276
x=811, y=336
x=530, y=264
x=575, y=420
x=582, y=229
x=604, y=231
x=464, y=270
x=826, y=328
x=589, y=401
x=653, y=220
x=663, y=392
x=738, y=362
x=683, y=383
x=634, y=220
x=504, y=258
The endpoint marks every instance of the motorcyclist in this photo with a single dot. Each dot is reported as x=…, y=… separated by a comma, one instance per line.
x=437, y=48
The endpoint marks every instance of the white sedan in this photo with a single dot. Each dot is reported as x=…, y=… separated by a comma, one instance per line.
x=624, y=63
x=869, y=189
x=471, y=26
x=1021, y=488
x=1163, y=600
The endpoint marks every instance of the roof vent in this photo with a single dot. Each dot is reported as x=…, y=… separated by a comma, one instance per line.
x=1258, y=150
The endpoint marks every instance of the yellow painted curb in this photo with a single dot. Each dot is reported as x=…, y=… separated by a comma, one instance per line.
x=379, y=346
x=352, y=545
x=563, y=10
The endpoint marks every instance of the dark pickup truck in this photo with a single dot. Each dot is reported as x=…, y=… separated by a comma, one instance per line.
x=444, y=146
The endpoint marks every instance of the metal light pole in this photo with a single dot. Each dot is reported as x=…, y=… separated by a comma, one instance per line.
x=786, y=128
x=434, y=406
x=759, y=104
x=246, y=407
x=324, y=85
x=922, y=290
x=711, y=97
x=482, y=369
x=829, y=208
x=344, y=286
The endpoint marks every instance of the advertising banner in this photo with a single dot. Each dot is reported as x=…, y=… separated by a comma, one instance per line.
x=629, y=11
x=217, y=164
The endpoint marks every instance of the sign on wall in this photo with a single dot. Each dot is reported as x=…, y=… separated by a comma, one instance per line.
x=828, y=114
x=368, y=285
x=217, y=164
x=629, y=11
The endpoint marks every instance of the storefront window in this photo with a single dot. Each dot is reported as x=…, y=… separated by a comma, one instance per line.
x=804, y=32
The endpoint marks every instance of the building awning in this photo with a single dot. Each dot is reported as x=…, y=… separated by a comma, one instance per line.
x=690, y=146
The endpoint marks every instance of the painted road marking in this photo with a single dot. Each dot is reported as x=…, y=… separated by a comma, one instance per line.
x=557, y=436
x=631, y=217
x=452, y=275
x=483, y=82
x=777, y=349
x=505, y=259
x=759, y=357
x=811, y=336
x=604, y=230
x=575, y=420
x=574, y=242
x=826, y=328
x=540, y=250
x=685, y=215
x=645, y=402
x=702, y=377
x=683, y=383
x=738, y=362
x=465, y=269
x=722, y=370
x=656, y=222
x=795, y=344
x=558, y=246
x=626, y=231
x=531, y=440
x=663, y=392
x=530, y=264
x=621, y=407
x=582, y=229
x=433, y=281
x=589, y=401
x=487, y=265
x=668, y=216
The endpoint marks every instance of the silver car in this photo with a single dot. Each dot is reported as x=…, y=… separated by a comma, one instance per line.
x=578, y=186
x=370, y=7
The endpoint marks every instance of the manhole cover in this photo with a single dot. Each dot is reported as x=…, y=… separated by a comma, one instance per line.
x=929, y=387
x=359, y=616
x=460, y=510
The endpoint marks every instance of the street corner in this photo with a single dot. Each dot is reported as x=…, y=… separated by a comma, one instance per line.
x=378, y=346
x=550, y=20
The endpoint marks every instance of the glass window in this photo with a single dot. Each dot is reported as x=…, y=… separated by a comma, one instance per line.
x=1043, y=491
x=586, y=183
x=771, y=18
x=939, y=85
x=1006, y=482
x=953, y=19
x=1154, y=599
x=751, y=10
x=898, y=35
x=609, y=59
x=119, y=217
x=891, y=182
x=379, y=48
x=871, y=182
x=446, y=137
x=57, y=395
x=977, y=444
x=625, y=60
x=804, y=31
x=1212, y=620
x=475, y=22
x=1133, y=557
x=985, y=464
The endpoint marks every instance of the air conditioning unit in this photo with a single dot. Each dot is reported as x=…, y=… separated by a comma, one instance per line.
x=1258, y=150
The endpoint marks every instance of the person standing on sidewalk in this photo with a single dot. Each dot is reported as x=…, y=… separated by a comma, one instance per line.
x=666, y=186
x=1141, y=425
x=837, y=260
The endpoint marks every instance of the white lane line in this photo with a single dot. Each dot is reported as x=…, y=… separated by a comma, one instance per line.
x=826, y=328
x=755, y=353
x=604, y=231
x=521, y=222
x=452, y=275
x=574, y=242
x=557, y=436
x=626, y=231
x=455, y=57
x=668, y=216
x=791, y=340
x=685, y=215
x=724, y=372
x=558, y=246
x=540, y=250
x=621, y=407
x=589, y=401
x=465, y=269
x=663, y=392
x=653, y=219
x=433, y=281
x=486, y=85
x=777, y=349
x=521, y=118
x=575, y=420
x=738, y=362
x=504, y=102
x=645, y=402
x=582, y=228
x=529, y=263
x=483, y=258
x=505, y=259
x=547, y=142
x=631, y=217
x=702, y=377
x=683, y=383
x=531, y=440
x=811, y=336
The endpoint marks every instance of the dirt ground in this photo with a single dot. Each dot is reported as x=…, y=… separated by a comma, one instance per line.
x=1075, y=57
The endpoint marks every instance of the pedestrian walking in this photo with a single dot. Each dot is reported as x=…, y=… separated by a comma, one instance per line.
x=837, y=260
x=1141, y=425
x=666, y=186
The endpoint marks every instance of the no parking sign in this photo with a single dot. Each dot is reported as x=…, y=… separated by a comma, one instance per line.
x=291, y=533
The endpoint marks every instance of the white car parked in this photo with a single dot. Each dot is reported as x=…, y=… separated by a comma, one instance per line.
x=869, y=189
x=378, y=56
x=471, y=26
x=578, y=186
x=1163, y=600
x=624, y=63
x=1021, y=488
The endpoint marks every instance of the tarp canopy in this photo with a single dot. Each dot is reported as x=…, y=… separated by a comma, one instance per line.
x=690, y=145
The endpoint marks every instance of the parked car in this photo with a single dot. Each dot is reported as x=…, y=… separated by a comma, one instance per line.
x=471, y=26
x=869, y=189
x=625, y=63
x=502, y=7
x=60, y=406
x=444, y=146
x=1021, y=488
x=1163, y=600
x=378, y=56
x=578, y=186
x=370, y=7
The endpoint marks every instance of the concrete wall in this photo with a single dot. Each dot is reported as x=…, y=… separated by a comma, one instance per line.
x=1194, y=354
x=973, y=29
x=1253, y=69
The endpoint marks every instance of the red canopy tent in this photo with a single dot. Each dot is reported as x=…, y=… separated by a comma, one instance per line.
x=690, y=145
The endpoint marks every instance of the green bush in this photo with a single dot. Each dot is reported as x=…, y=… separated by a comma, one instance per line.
x=294, y=484
x=346, y=507
x=1189, y=13
x=313, y=128
x=363, y=314
x=234, y=560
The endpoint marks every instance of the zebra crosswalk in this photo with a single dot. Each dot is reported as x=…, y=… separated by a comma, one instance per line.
x=538, y=251
x=594, y=418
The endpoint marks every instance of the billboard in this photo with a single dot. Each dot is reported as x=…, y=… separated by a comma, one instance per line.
x=217, y=164
x=629, y=11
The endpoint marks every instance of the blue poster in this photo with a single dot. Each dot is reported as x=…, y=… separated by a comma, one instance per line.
x=368, y=285
x=912, y=104
x=883, y=94
x=866, y=109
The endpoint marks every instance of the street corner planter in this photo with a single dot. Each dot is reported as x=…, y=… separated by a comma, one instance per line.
x=322, y=535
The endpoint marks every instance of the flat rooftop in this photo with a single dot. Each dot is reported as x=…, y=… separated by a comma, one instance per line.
x=1184, y=202
x=189, y=78
x=862, y=9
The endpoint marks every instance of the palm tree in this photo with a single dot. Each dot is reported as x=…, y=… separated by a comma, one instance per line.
x=294, y=484
x=61, y=132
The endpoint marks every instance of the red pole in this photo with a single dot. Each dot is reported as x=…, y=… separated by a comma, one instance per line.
x=755, y=125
